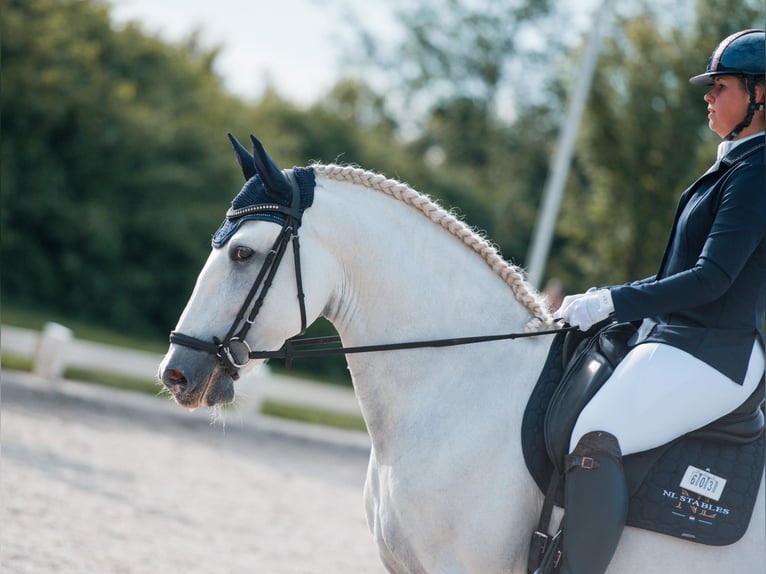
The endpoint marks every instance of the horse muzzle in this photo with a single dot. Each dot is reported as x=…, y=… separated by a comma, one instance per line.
x=195, y=379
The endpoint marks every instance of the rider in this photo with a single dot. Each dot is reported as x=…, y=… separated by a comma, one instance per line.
x=699, y=315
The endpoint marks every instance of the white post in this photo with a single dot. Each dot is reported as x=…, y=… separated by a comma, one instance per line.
x=554, y=187
x=50, y=355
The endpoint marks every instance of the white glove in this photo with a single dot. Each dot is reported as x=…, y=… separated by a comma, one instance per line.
x=586, y=309
x=567, y=302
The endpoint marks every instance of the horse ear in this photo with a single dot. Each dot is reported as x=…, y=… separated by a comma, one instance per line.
x=244, y=158
x=275, y=182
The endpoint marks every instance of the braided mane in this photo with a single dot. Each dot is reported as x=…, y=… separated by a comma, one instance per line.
x=532, y=301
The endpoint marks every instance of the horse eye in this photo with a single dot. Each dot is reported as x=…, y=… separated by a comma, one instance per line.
x=240, y=253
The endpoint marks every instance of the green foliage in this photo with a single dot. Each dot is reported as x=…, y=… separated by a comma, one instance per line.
x=112, y=143
x=17, y=362
x=456, y=50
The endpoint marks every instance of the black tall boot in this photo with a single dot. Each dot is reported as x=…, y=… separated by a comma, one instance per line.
x=595, y=504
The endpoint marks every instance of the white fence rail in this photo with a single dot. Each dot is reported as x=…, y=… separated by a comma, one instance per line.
x=54, y=349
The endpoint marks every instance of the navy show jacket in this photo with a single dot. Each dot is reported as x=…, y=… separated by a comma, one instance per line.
x=709, y=294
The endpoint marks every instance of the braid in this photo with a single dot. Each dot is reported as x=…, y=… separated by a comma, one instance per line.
x=524, y=293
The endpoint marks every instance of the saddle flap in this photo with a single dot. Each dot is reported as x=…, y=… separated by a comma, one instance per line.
x=589, y=368
x=613, y=342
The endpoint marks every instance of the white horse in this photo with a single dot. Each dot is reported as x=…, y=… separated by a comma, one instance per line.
x=447, y=490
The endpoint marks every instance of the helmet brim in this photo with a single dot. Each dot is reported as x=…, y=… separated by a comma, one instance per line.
x=703, y=79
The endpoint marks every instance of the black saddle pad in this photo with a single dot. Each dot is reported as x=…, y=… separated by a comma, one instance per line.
x=673, y=488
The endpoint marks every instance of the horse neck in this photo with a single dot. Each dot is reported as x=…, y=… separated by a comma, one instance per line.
x=399, y=265
x=406, y=279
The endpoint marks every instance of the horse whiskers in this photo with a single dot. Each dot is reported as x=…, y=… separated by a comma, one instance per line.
x=165, y=392
x=218, y=416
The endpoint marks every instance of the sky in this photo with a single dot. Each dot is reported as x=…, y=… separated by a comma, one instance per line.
x=294, y=45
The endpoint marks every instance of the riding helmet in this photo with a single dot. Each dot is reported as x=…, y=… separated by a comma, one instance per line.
x=741, y=54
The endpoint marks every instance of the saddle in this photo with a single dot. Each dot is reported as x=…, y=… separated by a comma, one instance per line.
x=699, y=487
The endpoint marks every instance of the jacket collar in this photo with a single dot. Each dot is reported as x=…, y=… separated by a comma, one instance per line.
x=728, y=155
x=743, y=149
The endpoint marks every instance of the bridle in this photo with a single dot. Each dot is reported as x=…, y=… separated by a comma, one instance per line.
x=233, y=351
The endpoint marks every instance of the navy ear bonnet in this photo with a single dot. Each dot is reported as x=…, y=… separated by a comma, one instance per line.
x=269, y=194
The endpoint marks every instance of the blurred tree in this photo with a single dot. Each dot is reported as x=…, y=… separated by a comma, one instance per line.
x=107, y=136
x=459, y=51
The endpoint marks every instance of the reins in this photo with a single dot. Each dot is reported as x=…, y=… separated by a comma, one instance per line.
x=288, y=351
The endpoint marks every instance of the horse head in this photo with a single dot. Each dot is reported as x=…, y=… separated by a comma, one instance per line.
x=212, y=341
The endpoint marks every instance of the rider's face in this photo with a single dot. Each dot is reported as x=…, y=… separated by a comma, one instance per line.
x=727, y=103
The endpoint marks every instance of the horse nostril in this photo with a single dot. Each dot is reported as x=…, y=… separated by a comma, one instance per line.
x=174, y=380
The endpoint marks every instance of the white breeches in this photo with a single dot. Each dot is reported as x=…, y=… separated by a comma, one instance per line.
x=658, y=393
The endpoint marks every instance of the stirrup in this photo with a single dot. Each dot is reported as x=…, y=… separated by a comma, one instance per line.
x=550, y=551
x=545, y=549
